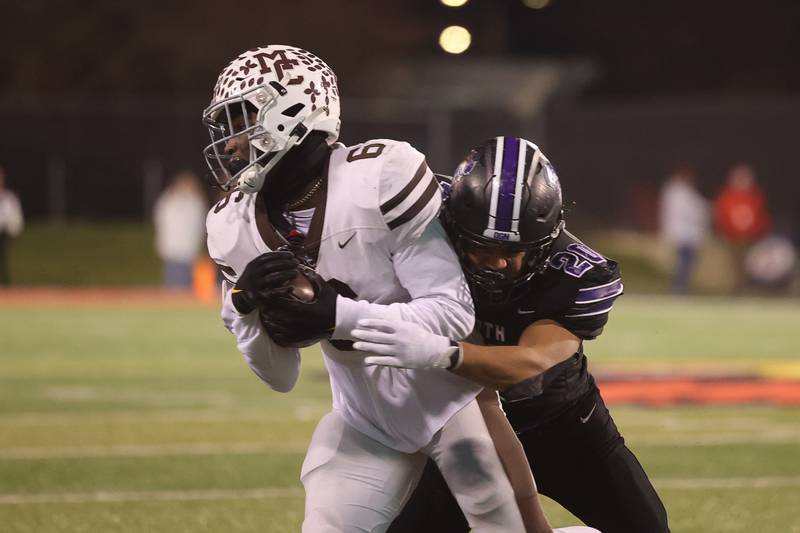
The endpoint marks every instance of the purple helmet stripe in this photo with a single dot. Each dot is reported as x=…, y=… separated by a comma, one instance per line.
x=508, y=183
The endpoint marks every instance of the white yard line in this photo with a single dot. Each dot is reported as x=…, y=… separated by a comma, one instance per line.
x=144, y=450
x=297, y=492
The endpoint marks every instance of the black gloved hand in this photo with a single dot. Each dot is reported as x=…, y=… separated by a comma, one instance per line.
x=294, y=323
x=265, y=273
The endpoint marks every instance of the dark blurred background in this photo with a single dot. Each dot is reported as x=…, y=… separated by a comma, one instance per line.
x=100, y=101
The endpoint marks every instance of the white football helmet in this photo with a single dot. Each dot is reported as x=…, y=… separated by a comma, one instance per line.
x=292, y=92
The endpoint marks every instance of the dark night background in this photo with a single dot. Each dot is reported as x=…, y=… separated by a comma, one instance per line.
x=175, y=49
x=99, y=90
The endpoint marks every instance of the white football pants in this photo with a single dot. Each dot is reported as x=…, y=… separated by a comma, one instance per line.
x=355, y=484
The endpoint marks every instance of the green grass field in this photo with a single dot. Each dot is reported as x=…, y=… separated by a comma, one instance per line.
x=135, y=418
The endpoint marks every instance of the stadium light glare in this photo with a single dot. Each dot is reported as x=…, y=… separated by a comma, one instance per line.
x=454, y=3
x=455, y=39
x=536, y=4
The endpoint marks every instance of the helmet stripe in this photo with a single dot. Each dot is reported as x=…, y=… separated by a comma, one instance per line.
x=518, y=186
x=508, y=180
x=535, y=160
x=498, y=165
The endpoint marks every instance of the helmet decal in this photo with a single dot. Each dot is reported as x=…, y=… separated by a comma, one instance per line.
x=509, y=164
x=239, y=74
x=465, y=167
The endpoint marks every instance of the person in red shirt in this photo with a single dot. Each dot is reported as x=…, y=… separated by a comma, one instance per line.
x=740, y=212
x=741, y=209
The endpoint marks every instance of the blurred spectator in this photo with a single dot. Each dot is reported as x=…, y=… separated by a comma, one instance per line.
x=10, y=225
x=741, y=209
x=740, y=213
x=180, y=218
x=684, y=221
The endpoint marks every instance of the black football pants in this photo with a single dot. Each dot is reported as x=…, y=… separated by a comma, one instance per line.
x=579, y=460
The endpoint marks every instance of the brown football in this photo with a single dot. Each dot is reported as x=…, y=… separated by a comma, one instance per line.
x=302, y=288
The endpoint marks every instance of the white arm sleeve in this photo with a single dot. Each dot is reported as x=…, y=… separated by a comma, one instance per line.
x=440, y=299
x=278, y=367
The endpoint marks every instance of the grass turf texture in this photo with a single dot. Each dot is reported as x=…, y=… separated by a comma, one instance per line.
x=133, y=418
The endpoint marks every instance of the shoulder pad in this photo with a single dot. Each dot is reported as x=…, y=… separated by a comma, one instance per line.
x=224, y=222
x=575, y=259
x=597, y=295
x=594, y=281
x=409, y=195
x=231, y=208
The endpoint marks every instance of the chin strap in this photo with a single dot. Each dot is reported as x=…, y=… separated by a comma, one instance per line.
x=252, y=179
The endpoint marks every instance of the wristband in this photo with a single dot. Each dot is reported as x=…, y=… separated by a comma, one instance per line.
x=456, y=355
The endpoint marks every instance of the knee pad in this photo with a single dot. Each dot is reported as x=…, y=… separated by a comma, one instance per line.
x=473, y=470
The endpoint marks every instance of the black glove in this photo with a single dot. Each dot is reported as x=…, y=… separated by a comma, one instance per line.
x=265, y=273
x=294, y=323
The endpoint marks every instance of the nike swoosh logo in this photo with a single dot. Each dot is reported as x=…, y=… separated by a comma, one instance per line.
x=586, y=418
x=343, y=244
x=525, y=311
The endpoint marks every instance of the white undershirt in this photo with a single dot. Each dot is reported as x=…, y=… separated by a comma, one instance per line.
x=301, y=219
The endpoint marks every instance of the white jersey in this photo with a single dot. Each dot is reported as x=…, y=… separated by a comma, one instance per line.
x=377, y=235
